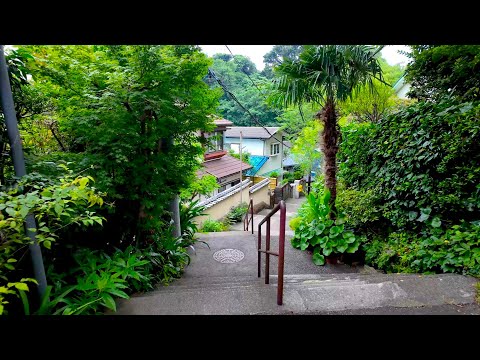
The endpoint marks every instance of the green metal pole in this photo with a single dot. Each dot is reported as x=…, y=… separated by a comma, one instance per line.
x=20, y=170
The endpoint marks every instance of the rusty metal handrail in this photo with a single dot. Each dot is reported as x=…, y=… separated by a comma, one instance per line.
x=281, y=248
x=246, y=219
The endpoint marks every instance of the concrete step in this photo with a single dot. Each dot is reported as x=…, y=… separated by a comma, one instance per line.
x=304, y=293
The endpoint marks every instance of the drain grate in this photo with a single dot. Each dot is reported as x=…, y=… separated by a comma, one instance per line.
x=228, y=256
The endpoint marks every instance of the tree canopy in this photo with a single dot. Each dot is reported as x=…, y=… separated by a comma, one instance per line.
x=438, y=70
x=232, y=71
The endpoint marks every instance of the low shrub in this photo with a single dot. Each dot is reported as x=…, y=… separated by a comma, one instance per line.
x=316, y=230
x=359, y=207
x=237, y=213
x=211, y=225
x=295, y=223
x=456, y=250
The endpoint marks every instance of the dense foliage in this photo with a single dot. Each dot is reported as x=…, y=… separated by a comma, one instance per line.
x=61, y=209
x=421, y=159
x=134, y=111
x=277, y=55
x=315, y=230
x=233, y=73
x=418, y=169
x=436, y=71
x=126, y=117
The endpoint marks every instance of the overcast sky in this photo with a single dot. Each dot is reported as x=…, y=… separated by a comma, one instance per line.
x=256, y=52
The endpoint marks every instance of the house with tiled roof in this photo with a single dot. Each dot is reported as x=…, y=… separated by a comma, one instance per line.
x=217, y=162
x=264, y=144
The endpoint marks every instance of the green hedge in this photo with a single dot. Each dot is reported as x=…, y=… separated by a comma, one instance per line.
x=412, y=185
x=423, y=159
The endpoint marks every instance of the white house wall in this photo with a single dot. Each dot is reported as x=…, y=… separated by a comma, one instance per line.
x=402, y=92
x=253, y=146
x=274, y=162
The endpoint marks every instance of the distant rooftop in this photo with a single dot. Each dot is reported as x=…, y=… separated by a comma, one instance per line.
x=251, y=132
x=225, y=166
x=223, y=122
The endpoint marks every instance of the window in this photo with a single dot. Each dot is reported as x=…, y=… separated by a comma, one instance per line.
x=222, y=188
x=274, y=149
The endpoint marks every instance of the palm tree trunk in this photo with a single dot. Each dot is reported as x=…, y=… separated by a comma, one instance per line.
x=329, y=145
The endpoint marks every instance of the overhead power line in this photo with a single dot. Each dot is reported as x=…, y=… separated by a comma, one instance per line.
x=253, y=82
x=234, y=98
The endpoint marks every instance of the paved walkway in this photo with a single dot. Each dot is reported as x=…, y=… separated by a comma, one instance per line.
x=222, y=279
x=292, y=208
x=210, y=287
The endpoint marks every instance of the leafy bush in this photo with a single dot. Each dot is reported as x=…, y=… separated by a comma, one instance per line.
x=274, y=174
x=359, y=207
x=237, y=213
x=455, y=250
x=295, y=223
x=315, y=229
x=56, y=207
x=288, y=177
x=426, y=155
x=213, y=226
x=188, y=226
x=99, y=278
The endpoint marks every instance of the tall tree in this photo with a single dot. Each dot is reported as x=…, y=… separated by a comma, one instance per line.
x=326, y=74
x=444, y=70
x=132, y=112
x=233, y=73
x=305, y=146
x=367, y=105
x=276, y=56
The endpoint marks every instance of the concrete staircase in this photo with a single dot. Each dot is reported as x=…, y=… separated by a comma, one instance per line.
x=211, y=287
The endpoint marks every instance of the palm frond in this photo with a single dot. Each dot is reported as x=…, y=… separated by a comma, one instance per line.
x=325, y=72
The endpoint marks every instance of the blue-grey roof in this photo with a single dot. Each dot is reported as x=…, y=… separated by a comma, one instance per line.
x=288, y=161
x=257, y=162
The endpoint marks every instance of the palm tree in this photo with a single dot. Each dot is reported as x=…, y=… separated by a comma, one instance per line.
x=326, y=74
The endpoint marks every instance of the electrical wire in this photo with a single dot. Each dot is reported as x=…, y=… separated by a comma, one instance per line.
x=234, y=98
x=253, y=82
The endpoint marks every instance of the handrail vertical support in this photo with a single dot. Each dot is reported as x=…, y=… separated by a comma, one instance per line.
x=281, y=252
x=267, y=255
x=251, y=211
x=259, y=245
x=281, y=248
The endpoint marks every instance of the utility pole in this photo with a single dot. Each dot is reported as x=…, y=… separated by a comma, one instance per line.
x=20, y=170
x=241, y=177
x=175, y=209
x=175, y=202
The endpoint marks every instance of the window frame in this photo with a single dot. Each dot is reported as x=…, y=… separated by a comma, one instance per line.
x=272, y=147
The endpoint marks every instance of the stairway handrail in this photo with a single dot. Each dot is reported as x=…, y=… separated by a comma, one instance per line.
x=281, y=248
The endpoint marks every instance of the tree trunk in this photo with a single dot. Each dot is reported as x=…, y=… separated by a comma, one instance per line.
x=329, y=145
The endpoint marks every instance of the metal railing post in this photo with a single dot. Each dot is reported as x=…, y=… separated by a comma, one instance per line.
x=281, y=248
x=267, y=255
x=281, y=252
x=259, y=245
x=251, y=211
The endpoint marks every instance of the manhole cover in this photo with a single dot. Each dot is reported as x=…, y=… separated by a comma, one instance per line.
x=228, y=256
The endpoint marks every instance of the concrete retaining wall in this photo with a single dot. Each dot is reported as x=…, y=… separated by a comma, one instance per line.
x=260, y=196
